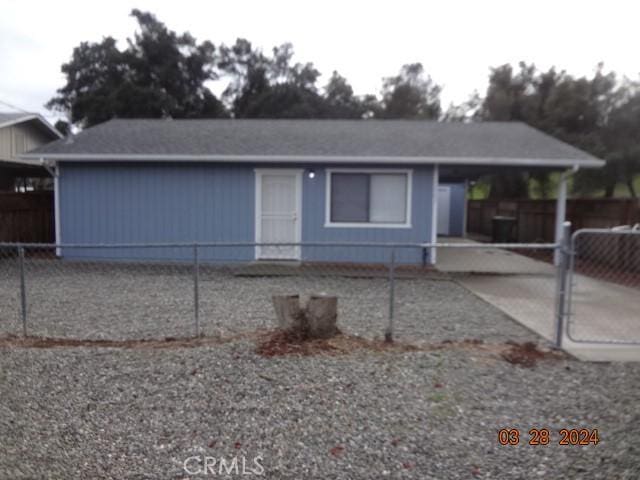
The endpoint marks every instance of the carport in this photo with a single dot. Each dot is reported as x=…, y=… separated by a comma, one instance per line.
x=465, y=174
x=12, y=170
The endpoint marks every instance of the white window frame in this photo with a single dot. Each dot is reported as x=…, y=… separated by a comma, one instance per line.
x=327, y=206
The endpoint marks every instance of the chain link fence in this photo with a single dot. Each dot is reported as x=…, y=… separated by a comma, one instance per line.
x=135, y=292
x=604, y=304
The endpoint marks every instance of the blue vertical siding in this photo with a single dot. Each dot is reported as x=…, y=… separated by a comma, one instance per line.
x=210, y=202
x=456, y=208
x=153, y=203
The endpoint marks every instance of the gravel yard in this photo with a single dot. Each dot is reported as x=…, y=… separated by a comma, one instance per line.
x=117, y=413
x=136, y=301
x=142, y=412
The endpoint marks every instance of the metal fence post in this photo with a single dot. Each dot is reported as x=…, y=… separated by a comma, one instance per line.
x=562, y=286
x=23, y=291
x=196, y=279
x=388, y=334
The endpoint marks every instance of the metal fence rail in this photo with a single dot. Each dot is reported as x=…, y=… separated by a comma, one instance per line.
x=142, y=291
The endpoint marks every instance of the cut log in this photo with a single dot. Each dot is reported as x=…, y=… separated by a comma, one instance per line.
x=322, y=314
x=317, y=320
x=288, y=312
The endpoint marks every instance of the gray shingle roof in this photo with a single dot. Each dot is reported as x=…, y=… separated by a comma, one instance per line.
x=307, y=139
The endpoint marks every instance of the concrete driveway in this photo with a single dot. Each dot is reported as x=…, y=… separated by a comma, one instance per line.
x=603, y=314
x=484, y=260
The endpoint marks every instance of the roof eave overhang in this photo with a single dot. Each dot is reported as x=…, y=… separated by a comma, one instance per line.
x=492, y=161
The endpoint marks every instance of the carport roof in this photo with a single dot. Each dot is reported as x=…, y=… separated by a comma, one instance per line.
x=317, y=141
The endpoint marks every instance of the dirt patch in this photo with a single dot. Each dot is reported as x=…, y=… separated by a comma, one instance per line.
x=465, y=342
x=168, y=342
x=528, y=354
x=279, y=343
x=276, y=343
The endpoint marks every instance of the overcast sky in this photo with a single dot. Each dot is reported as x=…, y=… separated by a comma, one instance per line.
x=366, y=40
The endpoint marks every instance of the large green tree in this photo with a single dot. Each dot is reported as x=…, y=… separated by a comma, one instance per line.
x=592, y=114
x=513, y=96
x=262, y=86
x=341, y=102
x=159, y=74
x=411, y=94
x=467, y=111
x=273, y=86
x=163, y=74
x=621, y=140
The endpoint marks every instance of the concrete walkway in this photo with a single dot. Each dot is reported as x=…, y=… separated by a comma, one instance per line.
x=486, y=260
x=525, y=290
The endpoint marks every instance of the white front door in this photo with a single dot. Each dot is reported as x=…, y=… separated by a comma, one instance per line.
x=444, y=209
x=278, y=215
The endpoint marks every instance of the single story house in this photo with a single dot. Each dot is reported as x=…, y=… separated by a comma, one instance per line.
x=151, y=181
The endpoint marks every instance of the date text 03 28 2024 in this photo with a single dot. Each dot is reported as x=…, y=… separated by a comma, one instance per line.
x=543, y=436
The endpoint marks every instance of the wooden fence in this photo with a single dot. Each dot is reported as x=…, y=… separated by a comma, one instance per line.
x=536, y=218
x=27, y=217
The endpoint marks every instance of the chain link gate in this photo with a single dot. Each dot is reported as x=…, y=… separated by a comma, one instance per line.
x=603, y=302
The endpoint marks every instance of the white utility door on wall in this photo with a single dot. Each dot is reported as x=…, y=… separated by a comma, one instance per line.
x=278, y=213
x=444, y=209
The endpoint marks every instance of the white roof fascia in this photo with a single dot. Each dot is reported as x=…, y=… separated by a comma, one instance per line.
x=494, y=161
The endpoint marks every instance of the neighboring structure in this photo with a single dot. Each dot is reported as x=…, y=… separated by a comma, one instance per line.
x=19, y=133
x=149, y=181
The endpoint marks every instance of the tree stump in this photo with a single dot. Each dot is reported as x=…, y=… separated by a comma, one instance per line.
x=317, y=320
x=322, y=314
x=288, y=312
